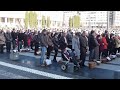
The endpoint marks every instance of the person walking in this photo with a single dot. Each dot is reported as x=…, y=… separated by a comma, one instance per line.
x=8, y=39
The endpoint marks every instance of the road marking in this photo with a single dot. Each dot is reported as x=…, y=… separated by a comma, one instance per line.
x=42, y=73
x=11, y=75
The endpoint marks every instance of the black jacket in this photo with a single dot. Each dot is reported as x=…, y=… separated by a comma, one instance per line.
x=83, y=42
x=20, y=36
x=14, y=35
x=56, y=43
x=112, y=44
x=69, y=39
x=8, y=37
x=62, y=43
x=91, y=42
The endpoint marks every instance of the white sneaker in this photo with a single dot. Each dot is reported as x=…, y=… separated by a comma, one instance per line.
x=108, y=58
x=98, y=62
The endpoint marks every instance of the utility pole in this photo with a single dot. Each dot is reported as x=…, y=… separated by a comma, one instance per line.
x=107, y=20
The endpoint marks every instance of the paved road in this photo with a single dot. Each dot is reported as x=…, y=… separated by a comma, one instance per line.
x=26, y=68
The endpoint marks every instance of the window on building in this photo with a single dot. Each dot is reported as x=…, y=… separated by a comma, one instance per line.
x=16, y=20
x=58, y=24
x=10, y=20
x=2, y=19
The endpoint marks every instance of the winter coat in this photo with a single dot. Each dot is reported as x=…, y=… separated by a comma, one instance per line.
x=2, y=38
x=91, y=42
x=20, y=36
x=112, y=44
x=76, y=45
x=117, y=42
x=83, y=42
x=62, y=43
x=43, y=41
x=101, y=45
x=14, y=35
x=69, y=39
x=8, y=37
x=49, y=41
x=105, y=44
x=56, y=43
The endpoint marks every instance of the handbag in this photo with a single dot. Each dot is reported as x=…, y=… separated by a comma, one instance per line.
x=48, y=62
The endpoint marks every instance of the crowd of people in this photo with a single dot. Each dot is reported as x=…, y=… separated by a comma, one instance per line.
x=99, y=45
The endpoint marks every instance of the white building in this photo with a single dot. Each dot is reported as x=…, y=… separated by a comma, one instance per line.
x=93, y=19
x=117, y=19
x=16, y=18
x=11, y=18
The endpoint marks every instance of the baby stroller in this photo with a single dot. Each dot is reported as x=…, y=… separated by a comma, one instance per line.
x=69, y=56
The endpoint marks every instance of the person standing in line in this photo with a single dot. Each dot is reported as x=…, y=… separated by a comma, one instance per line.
x=108, y=41
x=63, y=43
x=50, y=44
x=14, y=38
x=2, y=41
x=83, y=47
x=117, y=44
x=69, y=39
x=25, y=39
x=32, y=41
x=44, y=46
x=8, y=39
x=92, y=45
x=112, y=44
x=76, y=46
x=20, y=40
x=36, y=42
x=105, y=46
x=56, y=45
x=99, y=39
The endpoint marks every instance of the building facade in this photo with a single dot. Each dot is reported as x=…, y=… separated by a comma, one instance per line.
x=93, y=19
x=15, y=19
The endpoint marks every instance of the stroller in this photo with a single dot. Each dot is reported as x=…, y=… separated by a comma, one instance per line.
x=69, y=56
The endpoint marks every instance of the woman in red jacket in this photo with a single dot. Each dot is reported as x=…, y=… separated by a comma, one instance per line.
x=105, y=46
x=99, y=39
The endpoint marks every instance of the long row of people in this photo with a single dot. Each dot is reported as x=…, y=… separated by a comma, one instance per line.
x=98, y=45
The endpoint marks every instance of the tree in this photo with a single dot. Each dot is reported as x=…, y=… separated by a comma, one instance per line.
x=70, y=22
x=26, y=19
x=31, y=19
x=76, y=21
x=43, y=21
x=48, y=22
x=35, y=21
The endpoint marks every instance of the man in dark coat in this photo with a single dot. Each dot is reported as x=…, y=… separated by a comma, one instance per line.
x=20, y=40
x=63, y=41
x=92, y=44
x=83, y=48
x=8, y=39
x=14, y=38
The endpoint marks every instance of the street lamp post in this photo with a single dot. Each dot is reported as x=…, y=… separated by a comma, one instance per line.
x=107, y=20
